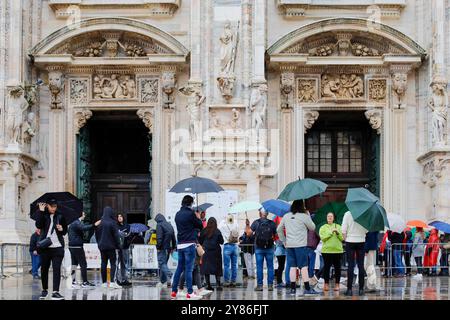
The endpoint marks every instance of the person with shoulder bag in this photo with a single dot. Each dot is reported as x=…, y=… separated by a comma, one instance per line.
x=230, y=232
x=51, y=245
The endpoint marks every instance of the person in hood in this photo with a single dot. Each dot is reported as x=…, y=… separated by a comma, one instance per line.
x=432, y=253
x=188, y=225
x=124, y=251
x=78, y=257
x=53, y=226
x=108, y=241
x=165, y=244
x=417, y=251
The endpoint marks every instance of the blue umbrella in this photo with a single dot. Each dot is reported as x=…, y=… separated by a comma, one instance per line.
x=138, y=228
x=277, y=207
x=203, y=207
x=441, y=226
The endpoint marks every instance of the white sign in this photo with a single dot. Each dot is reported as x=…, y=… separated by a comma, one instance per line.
x=144, y=257
x=93, y=257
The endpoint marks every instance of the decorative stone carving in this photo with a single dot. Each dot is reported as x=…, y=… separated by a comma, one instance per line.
x=80, y=118
x=147, y=117
x=114, y=87
x=258, y=106
x=94, y=49
x=344, y=46
x=149, y=90
x=78, y=91
x=56, y=87
x=375, y=118
x=29, y=129
x=112, y=46
x=287, y=83
x=228, y=50
x=342, y=86
x=235, y=122
x=361, y=50
x=309, y=118
x=438, y=104
x=432, y=171
x=193, y=107
x=15, y=108
x=307, y=91
x=377, y=90
x=215, y=121
x=399, y=87
x=168, y=86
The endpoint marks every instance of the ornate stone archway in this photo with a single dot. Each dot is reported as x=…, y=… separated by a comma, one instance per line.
x=108, y=64
x=347, y=64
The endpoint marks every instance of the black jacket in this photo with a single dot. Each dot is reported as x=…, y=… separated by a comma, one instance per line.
x=107, y=233
x=76, y=233
x=33, y=241
x=125, y=230
x=396, y=238
x=43, y=222
x=247, y=243
x=165, y=235
x=188, y=225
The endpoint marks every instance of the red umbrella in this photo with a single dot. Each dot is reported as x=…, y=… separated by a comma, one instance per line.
x=417, y=224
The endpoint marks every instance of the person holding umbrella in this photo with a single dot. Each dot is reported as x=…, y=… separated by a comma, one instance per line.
x=51, y=244
x=188, y=225
x=296, y=224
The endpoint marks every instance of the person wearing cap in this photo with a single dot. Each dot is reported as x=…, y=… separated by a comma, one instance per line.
x=53, y=226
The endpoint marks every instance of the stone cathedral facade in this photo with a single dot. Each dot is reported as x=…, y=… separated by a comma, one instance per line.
x=115, y=101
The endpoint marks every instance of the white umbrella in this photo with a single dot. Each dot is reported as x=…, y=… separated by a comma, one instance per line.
x=396, y=223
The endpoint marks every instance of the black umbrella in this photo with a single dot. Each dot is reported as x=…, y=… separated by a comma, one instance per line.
x=196, y=185
x=203, y=207
x=68, y=205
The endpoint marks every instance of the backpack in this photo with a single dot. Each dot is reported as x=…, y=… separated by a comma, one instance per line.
x=264, y=235
x=234, y=235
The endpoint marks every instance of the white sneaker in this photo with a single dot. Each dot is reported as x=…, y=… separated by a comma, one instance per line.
x=194, y=288
x=193, y=296
x=321, y=281
x=114, y=285
x=76, y=286
x=203, y=292
x=418, y=277
x=105, y=285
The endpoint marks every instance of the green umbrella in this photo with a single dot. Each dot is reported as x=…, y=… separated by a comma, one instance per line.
x=302, y=189
x=366, y=209
x=338, y=208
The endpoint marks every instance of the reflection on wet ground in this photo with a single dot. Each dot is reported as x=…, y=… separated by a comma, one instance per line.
x=23, y=287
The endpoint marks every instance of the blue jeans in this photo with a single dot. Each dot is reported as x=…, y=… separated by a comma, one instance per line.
x=163, y=257
x=230, y=255
x=262, y=254
x=398, y=262
x=287, y=270
x=186, y=258
x=35, y=264
x=311, y=262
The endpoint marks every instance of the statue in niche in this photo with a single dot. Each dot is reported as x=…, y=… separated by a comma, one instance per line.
x=258, y=106
x=439, y=104
x=29, y=128
x=226, y=48
x=195, y=100
x=15, y=108
x=235, y=119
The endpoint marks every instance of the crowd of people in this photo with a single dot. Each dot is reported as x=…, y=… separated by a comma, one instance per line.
x=310, y=256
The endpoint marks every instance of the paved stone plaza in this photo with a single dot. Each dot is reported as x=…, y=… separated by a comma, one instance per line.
x=24, y=288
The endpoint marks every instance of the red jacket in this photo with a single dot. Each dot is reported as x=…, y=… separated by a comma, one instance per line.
x=432, y=250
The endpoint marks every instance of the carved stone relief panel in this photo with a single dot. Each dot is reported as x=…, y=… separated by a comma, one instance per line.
x=342, y=86
x=79, y=91
x=224, y=118
x=113, y=86
x=148, y=90
x=377, y=90
x=307, y=90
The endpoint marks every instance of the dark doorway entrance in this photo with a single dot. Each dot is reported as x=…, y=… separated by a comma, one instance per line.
x=342, y=150
x=119, y=161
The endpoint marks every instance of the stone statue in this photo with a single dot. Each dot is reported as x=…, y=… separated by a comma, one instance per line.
x=439, y=104
x=168, y=84
x=236, y=122
x=399, y=87
x=29, y=128
x=342, y=86
x=226, y=85
x=114, y=87
x=195, y=100
x=287, y=84
x=214, y=121
x=258, y=106
x=56, y=86
x=226, y=48
x=15, y=108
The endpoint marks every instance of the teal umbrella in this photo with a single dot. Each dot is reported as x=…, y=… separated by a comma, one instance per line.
x=302, y=189
x=338, y=208
x=366, y=209
x=245, y=206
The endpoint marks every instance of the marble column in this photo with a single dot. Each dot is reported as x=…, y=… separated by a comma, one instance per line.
x=259, y=40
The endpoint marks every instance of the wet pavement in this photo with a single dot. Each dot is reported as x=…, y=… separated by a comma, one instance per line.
x=23, y=287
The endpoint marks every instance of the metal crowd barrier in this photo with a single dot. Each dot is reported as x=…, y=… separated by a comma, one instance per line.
x=14, y=257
